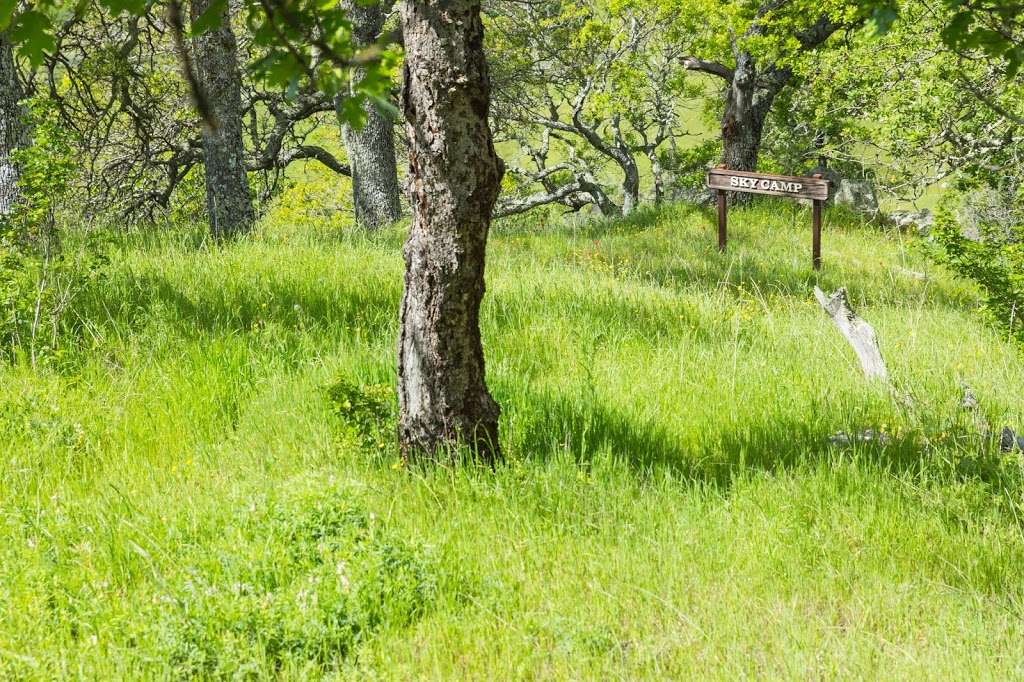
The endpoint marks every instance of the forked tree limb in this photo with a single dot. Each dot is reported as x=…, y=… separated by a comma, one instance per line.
x=859, y=334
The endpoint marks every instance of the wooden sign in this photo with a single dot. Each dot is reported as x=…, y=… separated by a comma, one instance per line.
x=815, y=188
x=762, y=183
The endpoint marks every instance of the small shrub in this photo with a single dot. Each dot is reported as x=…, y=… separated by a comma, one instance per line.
x=315, y=202
x=686, y=168
x=993, y=258
x=39, y=277
x=301, y=583
x=37, y=418
x=370, y=412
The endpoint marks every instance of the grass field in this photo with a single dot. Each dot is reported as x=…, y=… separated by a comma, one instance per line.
x=204, y=484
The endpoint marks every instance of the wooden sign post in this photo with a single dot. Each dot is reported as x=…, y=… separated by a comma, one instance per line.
x=814, y=188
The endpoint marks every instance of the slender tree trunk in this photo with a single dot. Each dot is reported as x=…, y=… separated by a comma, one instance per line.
x=13, y=133
x=622, y=155
x=227, y=187
x=630, y=187
x=371, y=149
x=657, y=175
x=455, y=176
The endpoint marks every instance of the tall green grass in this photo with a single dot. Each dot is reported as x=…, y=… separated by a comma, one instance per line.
x=203, y=485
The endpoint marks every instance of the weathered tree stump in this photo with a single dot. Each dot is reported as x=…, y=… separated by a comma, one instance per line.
x=859, y=334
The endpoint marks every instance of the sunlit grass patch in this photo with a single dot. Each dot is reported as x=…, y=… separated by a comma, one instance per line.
x=189, y=488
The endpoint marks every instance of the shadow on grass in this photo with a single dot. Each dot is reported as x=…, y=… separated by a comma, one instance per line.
x=700, y=265
x=331, y=309
x=553, y=425
x=596, y=313
x=797, y=281
x=641, y=220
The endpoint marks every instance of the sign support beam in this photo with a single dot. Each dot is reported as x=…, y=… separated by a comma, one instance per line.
x=722, y=217
x=816, y=236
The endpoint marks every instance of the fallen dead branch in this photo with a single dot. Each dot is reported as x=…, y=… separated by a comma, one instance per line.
x=859, y=334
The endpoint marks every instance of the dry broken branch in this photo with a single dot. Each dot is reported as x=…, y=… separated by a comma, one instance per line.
x=859, y=334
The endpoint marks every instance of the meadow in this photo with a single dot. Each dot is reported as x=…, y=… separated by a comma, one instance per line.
x=202, y=482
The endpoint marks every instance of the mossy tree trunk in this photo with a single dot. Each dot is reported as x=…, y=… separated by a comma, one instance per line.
x=748, y=102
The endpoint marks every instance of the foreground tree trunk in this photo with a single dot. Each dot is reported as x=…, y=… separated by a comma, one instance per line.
x=455, y=178
x=12, y=127
x=371, y=149
x=227, y=187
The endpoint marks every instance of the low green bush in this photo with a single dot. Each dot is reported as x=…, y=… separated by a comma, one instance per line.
x=989, y=253
x=368, y=412
x=317, y=576
x=39, y=275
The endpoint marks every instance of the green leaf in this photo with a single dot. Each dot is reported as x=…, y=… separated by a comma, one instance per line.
x=350, y=110
x=385, y=106
x=210, y=19
x=882, y=19
x=32, y=32
x=7, y=8
x=1014, y=59
x=136, y=7
x=957, y=28
x=277, y=68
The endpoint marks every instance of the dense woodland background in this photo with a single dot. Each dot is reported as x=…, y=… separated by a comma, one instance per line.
x=220, y=220
x=597, y=108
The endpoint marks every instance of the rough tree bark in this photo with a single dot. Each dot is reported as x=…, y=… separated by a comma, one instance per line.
x=748, y=101
x=455, y=176
x=227, y=186
x=371, y=149
x=12, y=126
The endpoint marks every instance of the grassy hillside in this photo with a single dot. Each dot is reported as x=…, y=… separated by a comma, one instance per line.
x=204, y=484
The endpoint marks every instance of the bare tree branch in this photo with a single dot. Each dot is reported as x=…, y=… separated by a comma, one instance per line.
x=713, y=68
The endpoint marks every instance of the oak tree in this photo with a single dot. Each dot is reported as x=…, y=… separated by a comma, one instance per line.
x=371, y=142
x=455, y=179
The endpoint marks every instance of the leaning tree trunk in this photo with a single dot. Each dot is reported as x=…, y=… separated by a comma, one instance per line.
x=227, y=188
x=455, y=178
x=12, y=127
x=371, y=149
